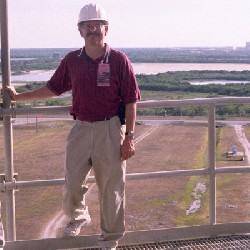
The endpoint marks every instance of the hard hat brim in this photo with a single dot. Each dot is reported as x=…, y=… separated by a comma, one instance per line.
x=93, y=19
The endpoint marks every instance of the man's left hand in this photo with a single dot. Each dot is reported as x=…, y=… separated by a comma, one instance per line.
x=127, y=149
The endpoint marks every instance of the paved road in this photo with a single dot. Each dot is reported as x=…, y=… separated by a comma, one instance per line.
x=20, y=121
x=198, y=122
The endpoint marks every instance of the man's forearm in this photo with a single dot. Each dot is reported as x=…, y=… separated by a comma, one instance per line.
x=130, y=116
x=127, y=147
x=38, y=94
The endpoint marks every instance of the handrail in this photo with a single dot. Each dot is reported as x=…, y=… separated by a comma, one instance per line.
x=13, y=111
x=132, y=176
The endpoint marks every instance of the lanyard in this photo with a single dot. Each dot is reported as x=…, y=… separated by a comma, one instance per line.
x=106, y=60
x=103, y=74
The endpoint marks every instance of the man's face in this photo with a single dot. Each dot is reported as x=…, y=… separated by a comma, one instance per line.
x=93, y=32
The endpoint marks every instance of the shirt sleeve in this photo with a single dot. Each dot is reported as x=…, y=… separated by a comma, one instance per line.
x=60, y=82
x=130, y=92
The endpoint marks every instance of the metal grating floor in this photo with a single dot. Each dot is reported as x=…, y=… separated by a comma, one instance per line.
x=219, y=243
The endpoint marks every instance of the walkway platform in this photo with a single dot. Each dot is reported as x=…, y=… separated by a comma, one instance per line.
x=239, y=242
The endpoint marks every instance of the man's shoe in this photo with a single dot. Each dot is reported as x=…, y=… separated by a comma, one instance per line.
x=73, y=227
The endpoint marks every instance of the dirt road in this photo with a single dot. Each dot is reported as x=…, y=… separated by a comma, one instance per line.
x=243, y=140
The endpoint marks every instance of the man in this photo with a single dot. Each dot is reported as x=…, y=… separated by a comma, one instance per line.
x=101, y=79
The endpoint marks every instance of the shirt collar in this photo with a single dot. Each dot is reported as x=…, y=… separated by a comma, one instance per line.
x=103, y=59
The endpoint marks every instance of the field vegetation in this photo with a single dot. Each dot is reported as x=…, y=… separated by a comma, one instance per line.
x=39, y=154
x=39, y=148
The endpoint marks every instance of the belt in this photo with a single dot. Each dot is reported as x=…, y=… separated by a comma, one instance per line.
x=91, y=121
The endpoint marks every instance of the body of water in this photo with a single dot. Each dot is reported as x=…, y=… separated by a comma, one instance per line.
x=155, y=68
x=143, y=68
x=20, y=59
x=222, y=82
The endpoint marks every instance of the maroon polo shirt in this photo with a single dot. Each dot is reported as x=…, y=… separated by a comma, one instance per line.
x=78, y=72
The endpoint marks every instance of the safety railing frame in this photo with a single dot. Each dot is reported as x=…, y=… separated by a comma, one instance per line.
x=205, y=230
x=8, y=131
x=10, y=184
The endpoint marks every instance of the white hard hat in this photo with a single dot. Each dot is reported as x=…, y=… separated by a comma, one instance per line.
x=92, y=12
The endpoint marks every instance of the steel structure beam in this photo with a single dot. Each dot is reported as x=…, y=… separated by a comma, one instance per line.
x=212, y=163
x=8, y=132
x=133, y=176
x=134, y=238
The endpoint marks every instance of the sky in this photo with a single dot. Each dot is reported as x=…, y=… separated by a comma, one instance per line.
x=133, y=23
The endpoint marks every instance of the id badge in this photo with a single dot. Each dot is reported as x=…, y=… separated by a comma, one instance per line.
x=103, y=76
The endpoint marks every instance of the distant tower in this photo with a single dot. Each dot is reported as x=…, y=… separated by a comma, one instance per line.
x=248, y=45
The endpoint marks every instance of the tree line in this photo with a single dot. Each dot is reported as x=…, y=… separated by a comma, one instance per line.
x=181, y=81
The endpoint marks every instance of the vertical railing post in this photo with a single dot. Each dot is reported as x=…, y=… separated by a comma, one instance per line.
x=8, y=132
x=212, y=163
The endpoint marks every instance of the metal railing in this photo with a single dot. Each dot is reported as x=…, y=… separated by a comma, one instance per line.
x=10, y=184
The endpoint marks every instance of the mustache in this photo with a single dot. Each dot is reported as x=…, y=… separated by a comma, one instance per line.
x=93, y=34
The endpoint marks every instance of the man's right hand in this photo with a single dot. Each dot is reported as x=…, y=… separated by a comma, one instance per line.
x=12, y=92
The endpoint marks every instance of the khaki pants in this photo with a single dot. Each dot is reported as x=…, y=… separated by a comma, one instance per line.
x=97, y=145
